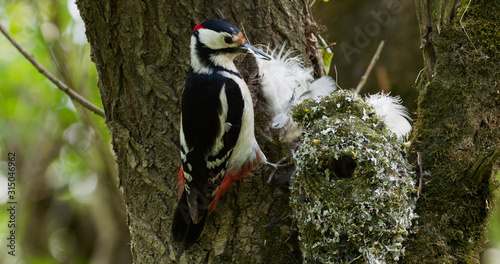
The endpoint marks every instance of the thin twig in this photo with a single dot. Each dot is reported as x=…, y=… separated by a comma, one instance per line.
x=465, y=31
x=370, y=67
x=336, y=73
x=312, y=3
x=419, y=159
x=418, y=75
x=356, y=258
x=70, y=92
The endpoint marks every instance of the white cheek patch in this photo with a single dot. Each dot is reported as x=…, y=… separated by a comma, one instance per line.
x=224, y=60
x=211, y=39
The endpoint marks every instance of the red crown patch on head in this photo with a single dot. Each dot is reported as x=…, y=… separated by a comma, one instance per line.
x=198, y=27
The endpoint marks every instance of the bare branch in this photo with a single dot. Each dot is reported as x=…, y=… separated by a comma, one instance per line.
x=421, y=174
x=70, y=92
x=370, y=67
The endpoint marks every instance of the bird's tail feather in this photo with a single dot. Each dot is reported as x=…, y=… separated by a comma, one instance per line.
x=183, y=229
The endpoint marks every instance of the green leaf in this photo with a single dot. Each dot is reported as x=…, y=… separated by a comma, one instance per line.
x=327, y=53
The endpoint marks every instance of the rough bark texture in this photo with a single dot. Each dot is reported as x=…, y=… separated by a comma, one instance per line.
x=457, y=131
x=141, y=50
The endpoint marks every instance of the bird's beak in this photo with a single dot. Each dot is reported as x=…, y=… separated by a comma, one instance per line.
x=255, y=51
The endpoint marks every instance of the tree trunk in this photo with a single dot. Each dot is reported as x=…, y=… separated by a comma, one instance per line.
x=457, y=131
x=141, y=51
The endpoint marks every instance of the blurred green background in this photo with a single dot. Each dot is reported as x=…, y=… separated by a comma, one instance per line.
x=69, y=209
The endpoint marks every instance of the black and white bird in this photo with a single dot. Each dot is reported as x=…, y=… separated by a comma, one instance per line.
x=217, y=137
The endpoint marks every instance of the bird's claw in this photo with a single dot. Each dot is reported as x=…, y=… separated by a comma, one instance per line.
x=283, y=163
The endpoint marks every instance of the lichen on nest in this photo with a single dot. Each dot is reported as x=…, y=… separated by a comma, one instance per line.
x=353, y=195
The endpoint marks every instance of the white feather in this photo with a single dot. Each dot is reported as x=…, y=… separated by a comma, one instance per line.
x=285, y=82
x=394, y=115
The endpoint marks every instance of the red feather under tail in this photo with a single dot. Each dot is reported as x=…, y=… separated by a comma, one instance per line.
x=229, y=178
x=180, y=183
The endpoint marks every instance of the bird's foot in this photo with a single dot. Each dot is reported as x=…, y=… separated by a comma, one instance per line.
x=279, y=166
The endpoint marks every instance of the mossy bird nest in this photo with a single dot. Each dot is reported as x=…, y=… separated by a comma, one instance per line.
x=353, y=194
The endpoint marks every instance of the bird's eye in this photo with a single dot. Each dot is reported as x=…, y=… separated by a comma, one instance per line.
x=228, y=39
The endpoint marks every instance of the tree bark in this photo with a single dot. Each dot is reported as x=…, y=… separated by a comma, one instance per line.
x=457, y=131
x=141, y=51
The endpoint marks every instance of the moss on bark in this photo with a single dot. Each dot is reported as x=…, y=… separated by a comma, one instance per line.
x=458, y=122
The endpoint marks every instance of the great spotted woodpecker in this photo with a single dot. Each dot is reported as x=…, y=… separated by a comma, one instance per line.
x=217, y=137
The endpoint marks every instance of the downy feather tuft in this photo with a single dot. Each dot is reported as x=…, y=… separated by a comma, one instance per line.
x=285, y=82
x=394, y=114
